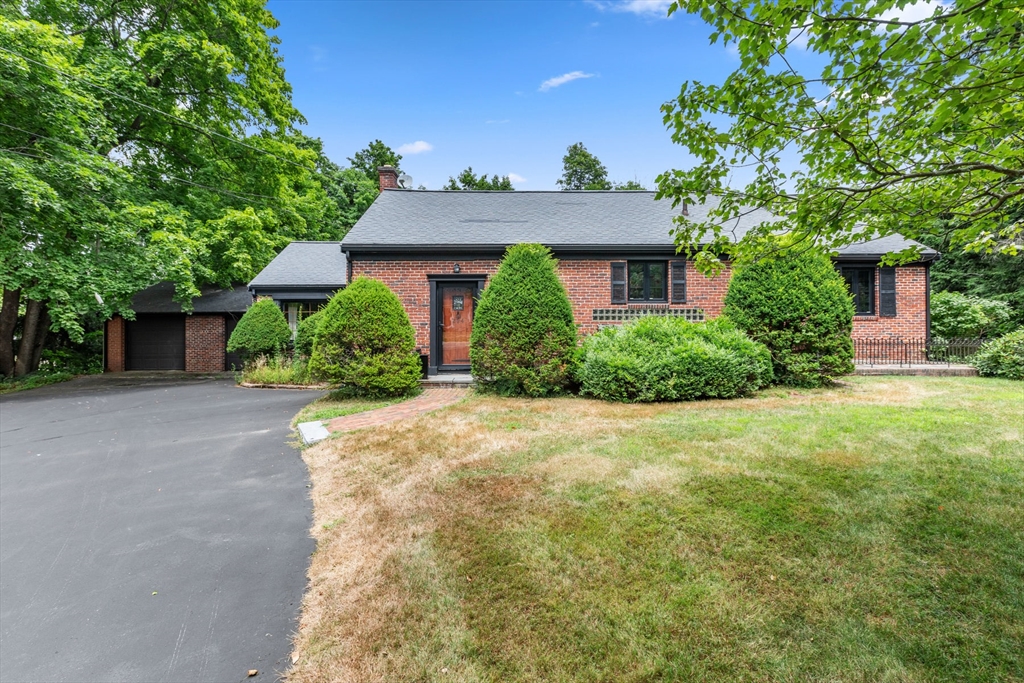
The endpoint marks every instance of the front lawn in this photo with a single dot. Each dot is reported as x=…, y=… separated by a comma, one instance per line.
x=869, y=533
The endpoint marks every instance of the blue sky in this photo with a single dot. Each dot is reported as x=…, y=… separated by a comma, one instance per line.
x=503, y=87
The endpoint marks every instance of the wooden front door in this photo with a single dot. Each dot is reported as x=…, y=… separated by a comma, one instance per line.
x=456, y=324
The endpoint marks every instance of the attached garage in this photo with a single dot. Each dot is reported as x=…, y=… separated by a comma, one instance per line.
x=155, y=342
x=163, y=337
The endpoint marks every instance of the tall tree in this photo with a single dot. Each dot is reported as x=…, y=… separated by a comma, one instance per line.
x=140, y=142
x=856, y=120
x=373, y=156
x=629, y=185
x=581, y=170
x=468, y=180
x=351, y=190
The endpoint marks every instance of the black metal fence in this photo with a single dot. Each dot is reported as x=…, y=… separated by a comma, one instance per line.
x=899, y=351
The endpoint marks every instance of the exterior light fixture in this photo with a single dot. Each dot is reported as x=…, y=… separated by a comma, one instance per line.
x=457, y=269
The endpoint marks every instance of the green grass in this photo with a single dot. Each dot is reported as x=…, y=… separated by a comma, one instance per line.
x=338, y=404
x=869, y=533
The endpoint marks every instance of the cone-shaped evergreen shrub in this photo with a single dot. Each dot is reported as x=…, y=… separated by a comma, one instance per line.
x=365, y=342
x=306, y=333
x=261, y=331
x=524, y=337
x=801, y=309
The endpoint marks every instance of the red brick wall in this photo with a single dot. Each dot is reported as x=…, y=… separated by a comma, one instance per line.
x=204, y=343
x=115, y=341
x=589, y=286
x=588, y=283
x=911, y=321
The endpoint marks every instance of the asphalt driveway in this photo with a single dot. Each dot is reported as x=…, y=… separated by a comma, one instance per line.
x=151, y=529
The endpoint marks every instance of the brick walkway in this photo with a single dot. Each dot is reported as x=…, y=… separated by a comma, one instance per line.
x=432, y=398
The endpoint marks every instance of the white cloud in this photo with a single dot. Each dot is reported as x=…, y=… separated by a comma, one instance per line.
x=645, y=8
x=417, y=147
x=516, y=178
x=318, y=53
x=563, y=79
x=918, y=11
x=798, y=38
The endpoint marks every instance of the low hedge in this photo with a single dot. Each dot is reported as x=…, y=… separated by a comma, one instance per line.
x=670, y=359
x=1003, y=357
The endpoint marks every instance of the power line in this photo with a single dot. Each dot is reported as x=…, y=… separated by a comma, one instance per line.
x=95, y=153
x=158, y=111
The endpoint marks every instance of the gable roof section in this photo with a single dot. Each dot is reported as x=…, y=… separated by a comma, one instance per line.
x=160, y=299
x=312, y=265
x=581, y=221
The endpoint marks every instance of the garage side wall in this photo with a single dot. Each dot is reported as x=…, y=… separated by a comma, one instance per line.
x=204, y=343
x=115, y=345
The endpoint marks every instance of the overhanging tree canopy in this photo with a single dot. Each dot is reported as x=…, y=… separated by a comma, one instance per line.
x=140, y=142
x=856, y=119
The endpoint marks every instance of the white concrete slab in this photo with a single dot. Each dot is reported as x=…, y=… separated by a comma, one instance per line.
x=312, y=432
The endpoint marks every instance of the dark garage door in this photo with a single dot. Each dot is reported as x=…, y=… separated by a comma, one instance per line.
x=156, y=342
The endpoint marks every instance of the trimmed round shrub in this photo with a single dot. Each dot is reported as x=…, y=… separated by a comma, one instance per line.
x=669, y=359
x=262, y=331
x=365, y=342
x=305, y=334
x=802, y=310
x=956, y=315
x=1003, y=357
x=524, y=336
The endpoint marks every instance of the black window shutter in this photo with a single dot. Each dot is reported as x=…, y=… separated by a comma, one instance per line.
x=678, y=282
x=887, y=292
x=619, y=282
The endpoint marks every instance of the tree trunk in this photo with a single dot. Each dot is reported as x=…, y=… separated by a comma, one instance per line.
x=8, y=321
x=42, y=330
x=30, y=328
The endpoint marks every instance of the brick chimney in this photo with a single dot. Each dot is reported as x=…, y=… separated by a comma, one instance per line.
x=388, y=177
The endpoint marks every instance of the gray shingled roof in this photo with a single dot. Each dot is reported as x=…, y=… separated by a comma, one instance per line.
x=586, y=219
x=160, y=299
x=305, y=264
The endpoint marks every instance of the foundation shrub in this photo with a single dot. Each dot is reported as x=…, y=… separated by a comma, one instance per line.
x=1002, y=357
x=524, y=336
x=365, y=343
x=305, y=334
x=669, y=359
x=262, y=331
x=800, y=308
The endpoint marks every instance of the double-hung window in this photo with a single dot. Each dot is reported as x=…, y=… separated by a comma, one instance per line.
x=647, y=280
x=861, y=282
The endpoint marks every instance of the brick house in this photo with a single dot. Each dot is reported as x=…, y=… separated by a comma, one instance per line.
x=437, y=250
x=163, y=337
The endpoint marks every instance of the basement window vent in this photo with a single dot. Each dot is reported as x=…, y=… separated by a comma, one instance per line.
x=695, y=315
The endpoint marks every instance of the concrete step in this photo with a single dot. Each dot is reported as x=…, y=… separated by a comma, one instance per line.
x=448, y=380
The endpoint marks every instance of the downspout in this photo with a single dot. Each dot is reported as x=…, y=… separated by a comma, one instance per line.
x=928, y=303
